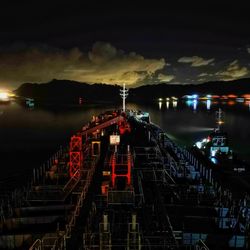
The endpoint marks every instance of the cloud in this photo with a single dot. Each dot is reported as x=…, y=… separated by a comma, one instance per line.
x=103, y=64
x=233, y=71
x=203, y=74
x=201, y=80
x=165, y=78
x=196, y=61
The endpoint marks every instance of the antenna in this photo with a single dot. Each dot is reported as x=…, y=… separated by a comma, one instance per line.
x=124, y=95
x=219, y=120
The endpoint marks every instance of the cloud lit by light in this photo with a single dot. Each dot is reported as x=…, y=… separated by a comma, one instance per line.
x=165, y=78
x=196, y=61
x=233, y=71
x=103, y=64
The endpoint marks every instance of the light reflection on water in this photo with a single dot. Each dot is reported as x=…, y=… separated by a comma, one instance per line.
x=208, y=103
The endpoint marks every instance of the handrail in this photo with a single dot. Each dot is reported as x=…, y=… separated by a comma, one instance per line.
x=37, y=245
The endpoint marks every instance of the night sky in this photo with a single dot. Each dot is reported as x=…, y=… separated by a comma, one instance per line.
x=132, y=43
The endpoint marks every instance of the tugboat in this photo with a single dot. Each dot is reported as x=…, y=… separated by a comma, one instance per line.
x=216, y=148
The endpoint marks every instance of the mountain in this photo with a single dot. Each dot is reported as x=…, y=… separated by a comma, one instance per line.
x=58, y=91
x=147, y=92
x=69, y=92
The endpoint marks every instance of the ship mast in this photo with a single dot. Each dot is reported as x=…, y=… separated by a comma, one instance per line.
x=219, y=120
x=124, y=95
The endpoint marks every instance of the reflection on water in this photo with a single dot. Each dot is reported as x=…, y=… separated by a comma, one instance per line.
x=208, y=104
x=175, y=103
x=167, y=104
x=160, y=105
x=194, y=103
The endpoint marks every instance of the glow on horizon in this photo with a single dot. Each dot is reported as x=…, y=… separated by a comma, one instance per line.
x=4, y=96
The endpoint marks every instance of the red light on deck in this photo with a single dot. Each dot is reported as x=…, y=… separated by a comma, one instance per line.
x=75, y=155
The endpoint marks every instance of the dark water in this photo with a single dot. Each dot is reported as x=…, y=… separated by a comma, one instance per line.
x=29, y=136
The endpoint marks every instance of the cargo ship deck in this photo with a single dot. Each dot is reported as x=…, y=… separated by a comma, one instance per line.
x=123, y=184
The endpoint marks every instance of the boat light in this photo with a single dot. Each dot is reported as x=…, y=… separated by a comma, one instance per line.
x=213, y=153
x=198, y=144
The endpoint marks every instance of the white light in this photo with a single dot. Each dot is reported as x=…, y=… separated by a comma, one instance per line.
x=4, y=96
x=208, y=104
x=213, y=153
x=160, y=105
x=198, y=144
x=194, y=104
x=167, y=104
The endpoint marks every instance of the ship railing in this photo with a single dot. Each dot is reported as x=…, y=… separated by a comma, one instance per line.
x=54, y=241
x=81, y=197
x=141, y=193
x=200, y=245
x=70, y=185
x=37, y=245
x=58, y=240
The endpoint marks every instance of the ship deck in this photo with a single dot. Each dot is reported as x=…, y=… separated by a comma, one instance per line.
x=141, y=192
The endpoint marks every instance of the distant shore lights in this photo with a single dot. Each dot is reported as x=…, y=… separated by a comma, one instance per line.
x=168, y=100
x=4, y=96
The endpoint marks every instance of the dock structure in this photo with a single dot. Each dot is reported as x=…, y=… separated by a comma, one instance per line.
x=123, y=184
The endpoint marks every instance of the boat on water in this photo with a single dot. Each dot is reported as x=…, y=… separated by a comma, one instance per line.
x=216, y=148
x=121, y=183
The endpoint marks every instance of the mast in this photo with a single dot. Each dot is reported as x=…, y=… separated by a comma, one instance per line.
x=124, y=95
x=219, y=120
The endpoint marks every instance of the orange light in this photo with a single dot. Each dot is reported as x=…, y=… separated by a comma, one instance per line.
x=224, y=97
x=231, y=103
x=232, y=96
x=247, y=96
x=215, y=96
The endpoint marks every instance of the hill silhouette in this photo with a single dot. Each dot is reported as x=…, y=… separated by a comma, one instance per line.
x=69, y=92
